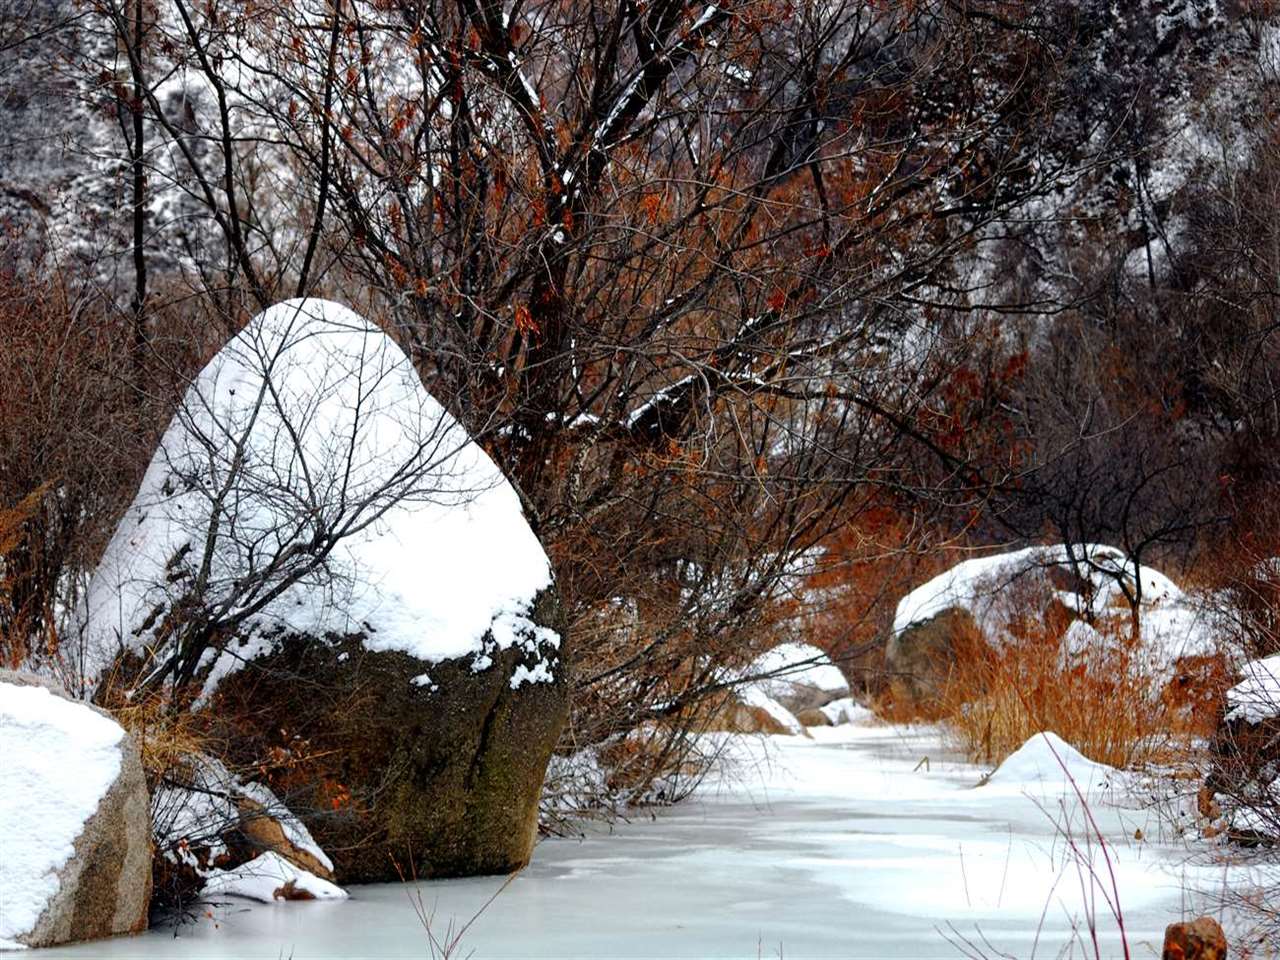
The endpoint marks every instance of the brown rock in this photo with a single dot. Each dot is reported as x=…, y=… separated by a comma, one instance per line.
x=396, y=778
x=1200, y=939
x=290, y=891
x=263, y=832
x=738, y=717
x=813, y=717
x=1207, y=803
x=919, y=660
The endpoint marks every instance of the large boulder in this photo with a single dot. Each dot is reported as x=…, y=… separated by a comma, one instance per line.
x=343, y=584
x=402, y=772
x=1075, y=596
x=920, y=657
x=75, y=836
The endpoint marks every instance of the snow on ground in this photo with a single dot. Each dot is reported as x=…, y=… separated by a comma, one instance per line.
x=191, y=817
x=865, y=841
x=1049, y=762
x=57, y=759
x=310, y=425
x=1257, y=697
x=270, y=878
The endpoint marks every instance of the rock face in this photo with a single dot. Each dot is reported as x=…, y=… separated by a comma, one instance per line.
x=1200, y=939
x=919, y=659
x=342, y=583
x=74, y=820
x=399, y=777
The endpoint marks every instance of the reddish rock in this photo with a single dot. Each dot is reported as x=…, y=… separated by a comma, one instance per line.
x=1200, y=939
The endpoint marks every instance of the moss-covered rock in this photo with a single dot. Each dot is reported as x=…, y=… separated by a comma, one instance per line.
x=401, y=768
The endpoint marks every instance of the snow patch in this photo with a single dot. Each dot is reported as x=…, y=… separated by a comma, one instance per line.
x=790, y=666
x=1256, y=698
x=270, y=878
x=1048, y=759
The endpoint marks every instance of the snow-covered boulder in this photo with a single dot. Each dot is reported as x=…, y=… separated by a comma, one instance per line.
x=342, y=579
x=847, y=710
x=799, y=676
x=75, y=851
x=996, y=599
x=1242, y=790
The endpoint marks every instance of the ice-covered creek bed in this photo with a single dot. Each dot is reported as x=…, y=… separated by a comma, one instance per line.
x=849, y=845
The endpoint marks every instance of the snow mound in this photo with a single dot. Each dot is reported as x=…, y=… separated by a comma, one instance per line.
x=753, y=696
x=270, y=878
x=1048, y=759
x=57, y=760
x=310, y=484
x=848, y=710
x=794, y=666
x=1171, y=626
x=1256, y=698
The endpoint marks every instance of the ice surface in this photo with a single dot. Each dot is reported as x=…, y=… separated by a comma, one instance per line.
x=309, y=425
x=57, y=759
x=866, y=841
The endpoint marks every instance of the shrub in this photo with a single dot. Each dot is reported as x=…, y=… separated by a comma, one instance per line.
x=1108, y=701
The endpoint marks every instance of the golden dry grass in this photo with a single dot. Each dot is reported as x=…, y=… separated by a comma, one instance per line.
x=1111, y=704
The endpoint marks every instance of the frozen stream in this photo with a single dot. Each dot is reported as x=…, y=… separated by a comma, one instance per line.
x=850, y=845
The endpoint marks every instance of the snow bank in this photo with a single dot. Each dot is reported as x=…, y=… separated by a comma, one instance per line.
x=270, y=878
x=793, y=666
x=311, y=430
x=1171, y=626
x=57, y=760
x=1256, y=698
x=1048, y=759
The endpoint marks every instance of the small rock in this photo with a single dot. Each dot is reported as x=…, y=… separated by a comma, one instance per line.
x=1200, y=939
x=814, y=717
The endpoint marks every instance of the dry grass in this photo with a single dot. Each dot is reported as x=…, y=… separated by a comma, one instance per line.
x=167, y=738
x=1111, y=705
